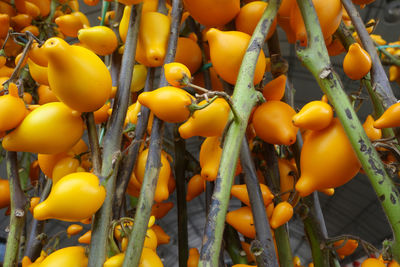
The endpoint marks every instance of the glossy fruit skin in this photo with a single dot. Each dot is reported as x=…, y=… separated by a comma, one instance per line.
x=75, y=197
x=46, y=95
x=390, y=118
x=38, y=73
x=123, y=25
x=150, y=259
x=372, y=262
x=100, y=39
x=207, y=122
x=212, y=13
x=48, y=161
x=195, y=187
x=393, y=263
x=272, y=122
x=85, y=238
x=159, y=210
x=101, y=115
x=282, y=213
x=65, y=75
x=11, y=104
x=4, y=193
x=347, y=249
x=372, y=132
x=227, y=50
x=357, y=62
x=5, y=25
x=329, y=14
x=240, y=192
x=69, y=24
x=43, y=130
x=194, y=257
x=315, y=115
x=275, y=89
x=162, y=192
x=177, y=74
x=188, y=53
x=286, y=177
x=168, y=103
x=162, y=237
x=210, y=156
x=138, y=77
x=66, y=257
x=64, y=167
x=153, y=37
x=115, y=261
x=327, y=160
x=74, y=229
x=242, y=220
x=249, y=15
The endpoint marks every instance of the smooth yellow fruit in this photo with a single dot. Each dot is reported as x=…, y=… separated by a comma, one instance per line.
x=66, y=257
x=100, y=39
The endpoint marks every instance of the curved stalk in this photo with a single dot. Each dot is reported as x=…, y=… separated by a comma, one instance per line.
x=244, y=98
x=111, y=150
x=315, y=58
x=19, y=206
x=93, y=142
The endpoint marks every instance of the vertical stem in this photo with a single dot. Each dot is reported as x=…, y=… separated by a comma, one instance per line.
x=104, y=8
x=111, y=150
x=263, y=232
x=233, y=245
x=316, y=59
x=93, y=143
x=128, y=162
x=244, y=98
x=379, y=78
x=153, y=163
x=35, y=237
x=180, y=164
x=18, y=211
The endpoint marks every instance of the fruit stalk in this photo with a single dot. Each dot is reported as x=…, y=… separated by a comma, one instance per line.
x=35, y=237
x=244, y=98
x=379, y=79
x=315, y=58
x=93, y=142
x=111, y=149
x=104, y=7
x=261, y=223
x=18, y=211
x=128, y=161
x=153, y=164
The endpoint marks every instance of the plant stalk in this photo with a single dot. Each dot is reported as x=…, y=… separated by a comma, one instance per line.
x=153, y=163
x=315, y=58
x=244, y=98
x=261, y=223
x=379, y=79
x=233, y=245
x=93, y=143
x=112, y=144
x=19, y=206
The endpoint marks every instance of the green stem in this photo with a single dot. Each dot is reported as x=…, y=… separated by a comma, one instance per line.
x=153, y=163
x=93, y=143
x=112, y=144
x=129, y=160
x=104, y=8
x=315, y=58
x=244, y=99
x=180, y=163
x=283, y=247
x=233, y=245
x=379, y=79
x=313, y=230
x=263, y=232
x=53, y=7
x=18, y=212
